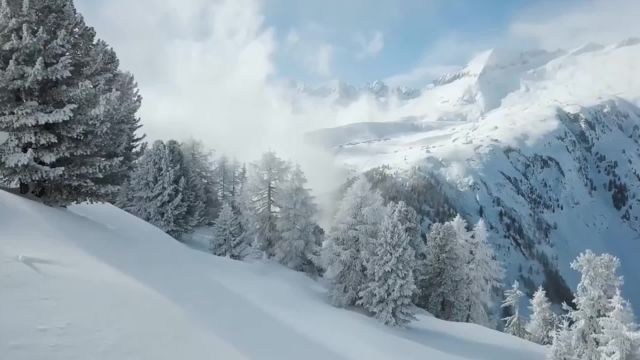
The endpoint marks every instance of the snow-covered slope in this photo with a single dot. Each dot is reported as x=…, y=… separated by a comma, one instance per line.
x=94, y=282
x=544, y=145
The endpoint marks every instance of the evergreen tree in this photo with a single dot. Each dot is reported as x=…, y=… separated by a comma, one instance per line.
x=542, y=321
x=227, y=239
x=513, y=323
x=237, y=178
x=440, y=290
x=127, y=101
x=463, y=293
x=230, y=177
x=561, y=343
x=297, y=248
x=118, y=102
x=390, y=264
x=263, y=187
x=200, y=195
x=483, y=275
x=247, y=219
x=67, y=139
x=356, y=223
x=158, y=187
x=411, y=222
x=224, y=176
x=601, y=325
x=620, y=339
x=598, y=284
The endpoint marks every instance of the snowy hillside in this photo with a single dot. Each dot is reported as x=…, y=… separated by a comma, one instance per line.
x=544, y=145
x=96, y=280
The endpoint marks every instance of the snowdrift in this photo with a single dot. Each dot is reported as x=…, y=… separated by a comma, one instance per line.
x=95, y=282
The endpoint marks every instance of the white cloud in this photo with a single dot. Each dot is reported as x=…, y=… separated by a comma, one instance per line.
x=446, y=55
x=321, y=62
x=205, y=70
x=370, y=47
x=307, y=47
x=420, y=75
x=555, y=26
x=547, y=25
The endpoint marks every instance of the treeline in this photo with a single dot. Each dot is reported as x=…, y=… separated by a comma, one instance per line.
x=376, y=258
x=260, y=209
x=375, y=255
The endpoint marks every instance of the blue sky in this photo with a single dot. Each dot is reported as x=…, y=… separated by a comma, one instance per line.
x=403, y=41
x=215, y=68
x=412, y=32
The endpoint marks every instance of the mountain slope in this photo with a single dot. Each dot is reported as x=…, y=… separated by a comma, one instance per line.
x=543, y=145
x=95, y=281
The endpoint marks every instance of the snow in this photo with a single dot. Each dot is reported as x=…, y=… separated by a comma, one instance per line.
x=93, y=281
x=493, y=118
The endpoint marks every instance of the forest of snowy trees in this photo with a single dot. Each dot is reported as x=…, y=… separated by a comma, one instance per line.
x=261, y=209
x=71, y=134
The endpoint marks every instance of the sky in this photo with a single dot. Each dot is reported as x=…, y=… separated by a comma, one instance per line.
x=217, y=69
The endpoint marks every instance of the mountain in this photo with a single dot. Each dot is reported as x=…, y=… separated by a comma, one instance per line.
x=340, y=93
x=93, y=279
x=543, y=145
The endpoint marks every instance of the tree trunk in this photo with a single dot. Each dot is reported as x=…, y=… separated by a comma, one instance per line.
x=24, y=188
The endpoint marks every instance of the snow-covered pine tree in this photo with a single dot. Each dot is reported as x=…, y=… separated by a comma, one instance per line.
x=33, y=142
x=246, y=216
x=483, y=276
x=297, y=247
x=227, y=234
x=118, y=101
x=127, y=123
x=230, y=177
x=620, y=339
x=158, y=187
x=237, y=177
x=411, y=221
x=224, y=178
x=463, y=245
x=390, y=264
x=263, y=186
x=440, y=290
x=241, y=179
x=598, y=284
x=542, y=321
x=357, y=222
x=514, y=324
x=200, y=194
x=56, y=146
x=561, y=343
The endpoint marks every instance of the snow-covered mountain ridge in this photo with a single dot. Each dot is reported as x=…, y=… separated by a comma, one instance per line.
x=543, y=145
x=96, y=280
x=341, y=93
